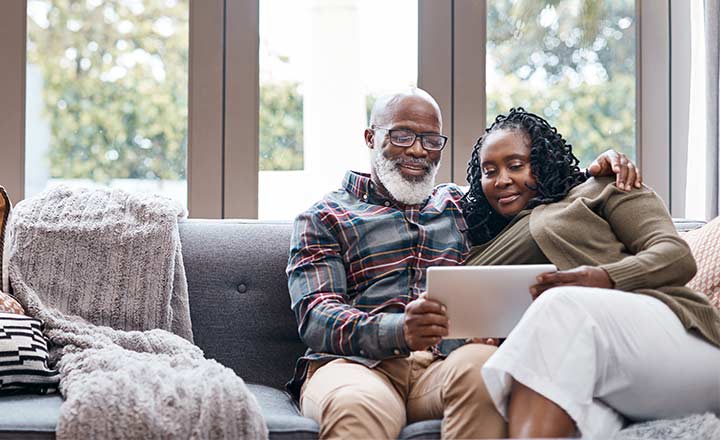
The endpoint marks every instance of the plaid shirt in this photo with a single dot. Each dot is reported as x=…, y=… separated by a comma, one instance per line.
x=357, y=258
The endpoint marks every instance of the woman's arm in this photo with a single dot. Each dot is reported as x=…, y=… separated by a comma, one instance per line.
x=658, y=256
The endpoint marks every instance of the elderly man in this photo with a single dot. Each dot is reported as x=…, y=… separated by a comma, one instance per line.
x=356, y=276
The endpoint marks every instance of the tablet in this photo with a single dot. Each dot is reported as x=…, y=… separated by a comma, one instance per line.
x=483, y=301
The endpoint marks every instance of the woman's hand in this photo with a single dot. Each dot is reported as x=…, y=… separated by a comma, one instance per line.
x=486, y=341
x=588, y=276
x=610, y=162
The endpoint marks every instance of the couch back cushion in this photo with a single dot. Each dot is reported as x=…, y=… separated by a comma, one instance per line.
x=239, y=302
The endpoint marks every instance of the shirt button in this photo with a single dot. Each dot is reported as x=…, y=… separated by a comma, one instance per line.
x=242, y=288
x=364, y=197
x=362, y=352
x=396, y=352
x=386, y=203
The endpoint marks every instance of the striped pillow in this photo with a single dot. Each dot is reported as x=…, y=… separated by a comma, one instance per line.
x=23, y=357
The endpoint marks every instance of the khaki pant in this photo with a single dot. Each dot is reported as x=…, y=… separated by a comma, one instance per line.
x=352, y=401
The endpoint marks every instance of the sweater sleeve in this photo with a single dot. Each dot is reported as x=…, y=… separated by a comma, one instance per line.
x=327, y=322
x=659, y=257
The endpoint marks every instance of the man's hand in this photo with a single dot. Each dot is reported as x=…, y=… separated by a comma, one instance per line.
x=627, y=174
x=425, y=323
x=588, y=276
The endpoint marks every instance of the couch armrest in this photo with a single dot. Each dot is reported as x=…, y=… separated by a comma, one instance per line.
x=684, y=224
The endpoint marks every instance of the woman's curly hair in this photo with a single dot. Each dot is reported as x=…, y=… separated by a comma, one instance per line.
x=552, y=163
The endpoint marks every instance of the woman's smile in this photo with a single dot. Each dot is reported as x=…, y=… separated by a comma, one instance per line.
x=506, y=200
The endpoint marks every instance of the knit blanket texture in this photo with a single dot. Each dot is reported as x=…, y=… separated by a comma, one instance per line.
x=102, y=269
x=695, y=427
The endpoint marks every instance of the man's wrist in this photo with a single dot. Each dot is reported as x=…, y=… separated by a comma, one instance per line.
x=391, y=336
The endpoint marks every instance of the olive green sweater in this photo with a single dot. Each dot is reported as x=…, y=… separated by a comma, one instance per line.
x=632, y=237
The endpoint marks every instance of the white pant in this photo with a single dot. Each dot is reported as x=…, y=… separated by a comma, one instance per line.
x=603, y=354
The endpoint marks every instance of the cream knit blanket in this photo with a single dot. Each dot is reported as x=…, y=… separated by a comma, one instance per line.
x=101, y=268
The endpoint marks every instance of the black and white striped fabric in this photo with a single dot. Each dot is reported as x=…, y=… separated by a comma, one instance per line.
x=23, y=357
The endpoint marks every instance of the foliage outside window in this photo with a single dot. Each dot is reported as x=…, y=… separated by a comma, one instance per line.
x=114, y=86
x=570, y=61
x=281, y=126
x=115, y=91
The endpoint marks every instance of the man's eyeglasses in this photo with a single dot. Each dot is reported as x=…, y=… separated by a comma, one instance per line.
x=402, y=137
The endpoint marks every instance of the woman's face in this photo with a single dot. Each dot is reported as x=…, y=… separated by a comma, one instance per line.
x=507, y=180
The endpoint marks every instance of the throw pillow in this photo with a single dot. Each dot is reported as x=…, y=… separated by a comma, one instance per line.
x=8, y=304
x=704, y=243
x=23, y=357
x=4, y=214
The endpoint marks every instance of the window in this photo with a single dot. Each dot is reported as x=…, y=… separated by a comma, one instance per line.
x=697, y=158
x=570, y=61
x=317, y=85
x=118, y=93
x=107, y=95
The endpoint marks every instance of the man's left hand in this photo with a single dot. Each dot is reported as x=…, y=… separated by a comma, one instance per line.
x=611, y=162
x=588, y=276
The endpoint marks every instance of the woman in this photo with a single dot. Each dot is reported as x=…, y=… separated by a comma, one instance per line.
x=612, y=335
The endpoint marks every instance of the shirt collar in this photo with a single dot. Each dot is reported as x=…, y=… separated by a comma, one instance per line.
x=361, y=186
x=358, y=184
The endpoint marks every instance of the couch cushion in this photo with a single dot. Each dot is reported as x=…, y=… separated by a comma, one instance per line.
x=40, y=415
x=285, y=422
x=282, y=415
x=684, y=225
x=427, y=429
x=25, y=416
x=29, y=416
x=239, y=302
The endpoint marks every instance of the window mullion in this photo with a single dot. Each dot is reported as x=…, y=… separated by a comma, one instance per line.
x=469, y=103
x=653, y=92
x=13, y=25
x=241, y=164
x=205, y=124
x=435, y=68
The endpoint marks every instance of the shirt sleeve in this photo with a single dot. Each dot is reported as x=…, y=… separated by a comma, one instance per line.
x=327, y=322
x=659, y=256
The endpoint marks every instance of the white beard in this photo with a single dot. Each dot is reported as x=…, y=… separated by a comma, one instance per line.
x=402, y=189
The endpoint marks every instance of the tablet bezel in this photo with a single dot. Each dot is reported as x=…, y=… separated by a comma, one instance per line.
x=490, y=311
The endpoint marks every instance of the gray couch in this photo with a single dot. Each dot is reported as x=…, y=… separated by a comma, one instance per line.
x=240, y=311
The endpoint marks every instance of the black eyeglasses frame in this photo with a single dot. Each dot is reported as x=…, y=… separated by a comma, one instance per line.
x=422, y=137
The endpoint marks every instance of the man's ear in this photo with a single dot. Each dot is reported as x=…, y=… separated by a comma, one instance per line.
x=369, y=138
